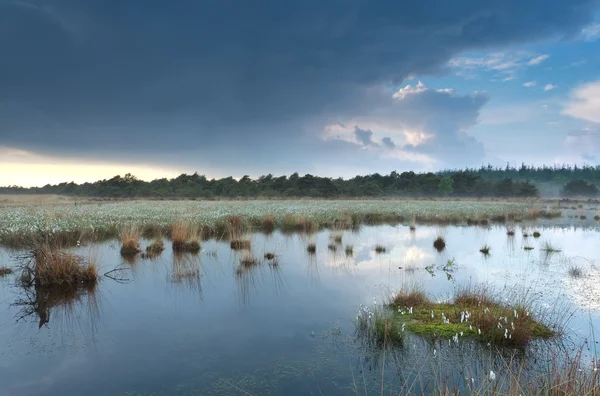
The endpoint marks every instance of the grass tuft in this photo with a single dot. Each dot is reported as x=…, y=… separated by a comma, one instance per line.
x=439, y=244
x=311, y=248
x=536, y=234
x=247, y=260
x=269, y=256
x=349, y=250
x=130, y=240
x=4, y=271
x=597, y=217
x=53, y=267
x=485, y=249
x=185, y=238
x=240, y=244
x=379, y=249
x=510, y=232
x=575, y=271
x=528, y=247
x=549, y=248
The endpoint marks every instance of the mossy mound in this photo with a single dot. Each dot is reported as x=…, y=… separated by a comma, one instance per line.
x=472, y=315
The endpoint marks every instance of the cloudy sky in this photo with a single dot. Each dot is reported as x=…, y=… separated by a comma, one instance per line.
x=94, y=88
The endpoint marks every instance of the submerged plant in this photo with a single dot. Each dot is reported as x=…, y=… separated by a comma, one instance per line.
x=549, y=248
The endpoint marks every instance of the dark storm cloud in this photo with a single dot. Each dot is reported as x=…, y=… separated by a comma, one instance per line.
x=388, y=142
x=364, y=137
x=115, y=76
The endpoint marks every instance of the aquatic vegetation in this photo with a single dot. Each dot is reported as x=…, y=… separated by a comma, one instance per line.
x=154, y=249
x=439, y=244
x=597, y=217
x=185, y=238
x=52, y=267
x=240, y=244
x=528, y=247
x=269, y=256
x=311, y=248
x=349, y=250
x=332, y=247
x=473, y=313
x=380, y=249
x=536, y=234
x=247, y=260
x=130, y=239
x=268, y=224
x=376, y=327
x=485, y=249
x=575, y=271
x=4, y=271
x=549, y=248
x=92, y=221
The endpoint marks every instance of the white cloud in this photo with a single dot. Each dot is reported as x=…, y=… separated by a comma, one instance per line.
x=537, y=60
x=591, y=32
x=410, y=90
x=417, y=124
x=529, y=84
x=505, y=64
x=585, y=102
x=549, y=87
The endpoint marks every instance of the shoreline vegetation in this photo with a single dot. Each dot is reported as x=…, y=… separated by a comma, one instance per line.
x=71, y=223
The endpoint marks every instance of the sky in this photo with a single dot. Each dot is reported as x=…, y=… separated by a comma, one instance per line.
x=94, y=88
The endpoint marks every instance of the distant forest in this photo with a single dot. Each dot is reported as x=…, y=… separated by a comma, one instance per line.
x=487, y=181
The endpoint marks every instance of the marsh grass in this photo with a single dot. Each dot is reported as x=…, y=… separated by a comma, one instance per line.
x=240, y=244
x=380, y=249
x=376, y=328
x=247, y=260
x=185, y=238
x=474, y=313
x=510, y=232
x=548, y=247
x=154, y=249
x=528, y=247
x=268, y=224
x=485, y=249
x=4, y=271
x=536, y=234
x=269, y=256
x=349, y=250
x=439, y=243
x=332, y=247
x=597, y=217
x=311, y=248
x=575, y=271
x=130, y=239
x=52, y=267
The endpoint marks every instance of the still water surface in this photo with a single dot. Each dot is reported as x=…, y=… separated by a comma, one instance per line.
x=193, y=325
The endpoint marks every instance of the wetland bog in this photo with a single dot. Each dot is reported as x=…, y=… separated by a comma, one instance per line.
x=283, y=314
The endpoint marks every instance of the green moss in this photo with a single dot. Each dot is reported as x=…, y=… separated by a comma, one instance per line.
x=477, y=316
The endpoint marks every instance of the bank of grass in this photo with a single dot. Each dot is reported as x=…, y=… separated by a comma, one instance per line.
x=473, y=313
x=102, y=220
x=185, y=238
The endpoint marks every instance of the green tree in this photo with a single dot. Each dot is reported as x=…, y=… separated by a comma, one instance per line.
x=445, y=186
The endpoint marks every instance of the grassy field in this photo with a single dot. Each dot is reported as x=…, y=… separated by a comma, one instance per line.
x=55, y=215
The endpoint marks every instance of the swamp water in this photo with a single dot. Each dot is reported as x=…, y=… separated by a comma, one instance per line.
x=200, y=325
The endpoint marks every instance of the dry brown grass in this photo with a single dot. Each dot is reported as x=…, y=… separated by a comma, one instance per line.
x=130, y=239
x=240, y=244
x=185, y=238
x=247, y=260
x=55, y=268
x=268, y=224
x=235, y=227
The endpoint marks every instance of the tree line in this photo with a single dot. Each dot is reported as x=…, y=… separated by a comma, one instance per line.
x=458, y=183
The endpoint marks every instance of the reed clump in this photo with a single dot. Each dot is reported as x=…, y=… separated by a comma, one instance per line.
x=439, y=244
x=379, y=249
x=52, y=267
x=130, y=240
x=4, y=271
x=185, y=238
